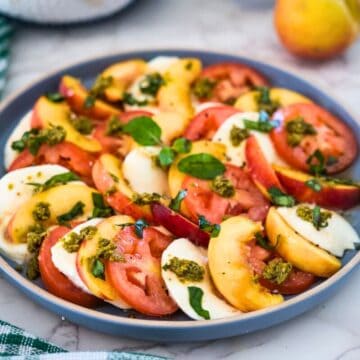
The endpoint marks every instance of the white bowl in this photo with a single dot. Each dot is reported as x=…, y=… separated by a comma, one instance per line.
x=61, y=11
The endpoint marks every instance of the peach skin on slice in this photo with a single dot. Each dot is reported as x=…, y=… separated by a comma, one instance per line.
x=329, y=194
x=76, y=95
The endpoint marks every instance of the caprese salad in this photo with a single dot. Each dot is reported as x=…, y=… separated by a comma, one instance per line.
x=168, y=185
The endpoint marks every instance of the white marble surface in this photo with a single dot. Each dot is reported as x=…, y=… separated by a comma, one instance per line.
x=331, y=331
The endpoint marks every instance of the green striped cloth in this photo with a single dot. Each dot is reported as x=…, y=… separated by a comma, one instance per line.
x=6, y=31
x=16, y=343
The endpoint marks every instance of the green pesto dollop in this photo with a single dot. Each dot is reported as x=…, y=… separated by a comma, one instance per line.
x=145, y=198
x=264, y=100
x=277, y=271
x=223, y=186
x=185, y=270
x=55, y=135
x=32, y=269
x=82, y=124
x=151, y=84
x=296, y=130
x=317, y=216
x=107, y=250
x=203, y=88
x=41, y=211
x=34, y=237
x=238, y=135
x=114, y=127
x=72, y=241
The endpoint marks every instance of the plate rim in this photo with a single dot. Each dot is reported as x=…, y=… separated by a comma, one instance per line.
x=13, y=276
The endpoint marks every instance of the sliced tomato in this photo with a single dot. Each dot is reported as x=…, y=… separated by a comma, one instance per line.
x=65, y=154
x=260, y=169
x=56, y=282
x=333, y=138
x=297, y=281
x=201, y=200
x=138, y=279
x=117, y=144
x=206, y=122
x=232, y=80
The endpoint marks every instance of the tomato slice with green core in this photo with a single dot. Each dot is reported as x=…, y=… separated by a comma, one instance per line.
x=56, y=282
x=329, y=138
x=138, y=279
x=247, y=199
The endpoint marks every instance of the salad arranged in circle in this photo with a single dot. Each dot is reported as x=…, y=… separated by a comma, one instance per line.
x=170, y=186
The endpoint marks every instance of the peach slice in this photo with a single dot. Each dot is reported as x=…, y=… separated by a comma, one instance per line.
x=101, y=288
x=47, y=113
x=61, y=200
x=230, y=269
x=260, y=170
x=123, y=74
x=178, y=225
x=248, y=101
x=335, y=196
x=76, y=94
x=297, y=250
x=109, y=180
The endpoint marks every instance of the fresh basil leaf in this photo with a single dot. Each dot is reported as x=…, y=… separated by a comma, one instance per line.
x=264, y=124
x=279, y=198
x=202, y=166
x=59, y=179
x=140, y=225
x=151, y=84
x=195, y=298
x=316, y=214
x=89, y=102
x=166, y=157
x=182, y=146
x=75, y=211
x=175, y=203
x=314, y=184
x=100, y=208
x=144, y=130
x=55, y=97
x=212, y=229
x=98, y=269
x=263, y=242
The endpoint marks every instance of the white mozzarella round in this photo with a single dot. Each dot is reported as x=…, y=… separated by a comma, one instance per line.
x=236, y=154
x=335, y=238
x=15, y=191
x=23, y=126
x=161, y=63
x=65, y=261
x=143, y=175
x=184, y=249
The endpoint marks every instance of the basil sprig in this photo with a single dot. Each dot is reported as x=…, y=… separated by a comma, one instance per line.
x=59, y=179
x=175, y=203
x=279, y=198
x=167, y=154
x=264, y=124
x=100, y=208
x=144, y=131
x=202, y=166
x=206, y=225
x=196, y=295
x=74, y=212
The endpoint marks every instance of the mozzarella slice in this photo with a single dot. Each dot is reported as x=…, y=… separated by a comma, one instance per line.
x=236, y=154
x=161, y=63
x=142, y=173
x=337, y=237
x=65, y=261
x=23, y=126
x=15, y=191
x=184, y=249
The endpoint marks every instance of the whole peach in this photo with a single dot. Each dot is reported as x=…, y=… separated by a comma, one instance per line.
x=317, y=29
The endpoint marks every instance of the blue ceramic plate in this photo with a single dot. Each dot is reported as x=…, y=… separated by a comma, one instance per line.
x=177, y=327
